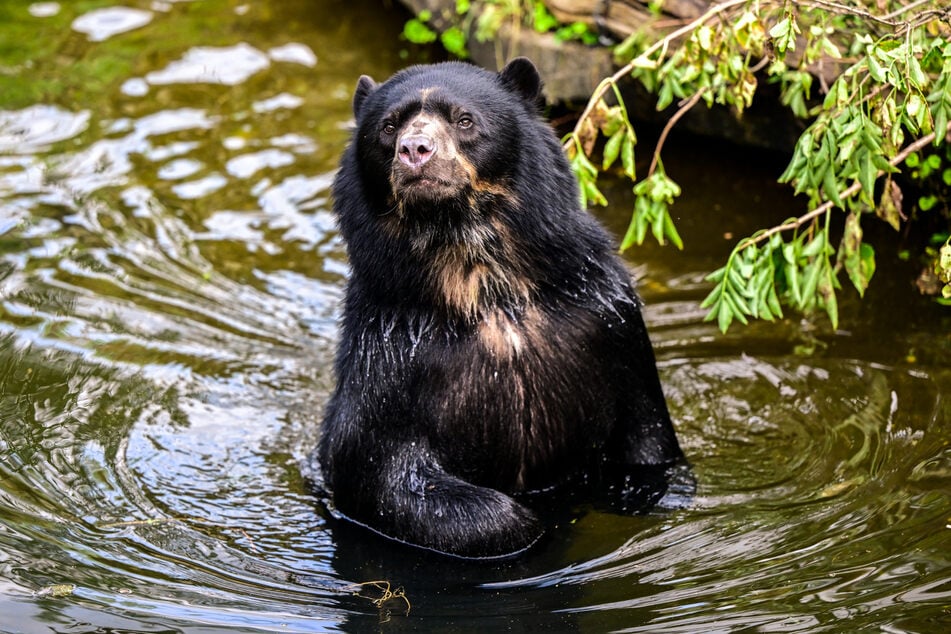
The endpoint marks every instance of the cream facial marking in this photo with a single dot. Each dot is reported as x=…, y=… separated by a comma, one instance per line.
x=427, y=125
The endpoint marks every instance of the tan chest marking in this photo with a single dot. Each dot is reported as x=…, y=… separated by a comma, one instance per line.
x=469, y=276
x=507, y=339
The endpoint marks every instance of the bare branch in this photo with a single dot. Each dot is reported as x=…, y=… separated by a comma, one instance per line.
x=904, y=9
x=690, y=103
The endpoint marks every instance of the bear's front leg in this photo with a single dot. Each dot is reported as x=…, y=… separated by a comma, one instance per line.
x=644, y=461
x=404, y=493
x=643, y=434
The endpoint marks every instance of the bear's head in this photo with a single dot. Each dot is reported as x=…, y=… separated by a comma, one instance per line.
x=434, y=135
x=454, y=191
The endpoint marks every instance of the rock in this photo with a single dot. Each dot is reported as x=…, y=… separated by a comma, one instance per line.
x=571, y=70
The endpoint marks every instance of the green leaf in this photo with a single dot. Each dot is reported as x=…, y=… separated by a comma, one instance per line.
x=657, y=226
x=832, y=308
x=926, y=203
x=795, y=283
x=614, y=120
x=882, y=164
x=724, y=317
x=772, y=301
x=665, y=97
x=711, y=299
x=867, y=176
x=831, y=188
x=416, y=31
x=875, y=69
x=811, y=283
x=780, y=29
x=886, y=46
x=867, y=257
x=627, y=155
x=587, y=175
x=735, y=279
x=716, y=276
x=544, y=20
x=915, y=74
x=830, y=49
x=738, y=306
x=613, y=147
x=593, y=194
x=630, y=236
x=453, y=40
x=671, y=232
x=651, y=208
x=915, y=106
x=815, y=246
x=704, y=37
x=940, y=123
x=795, y=168
x=642, y=216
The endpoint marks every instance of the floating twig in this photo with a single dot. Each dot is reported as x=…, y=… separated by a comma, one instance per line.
x=388, y=593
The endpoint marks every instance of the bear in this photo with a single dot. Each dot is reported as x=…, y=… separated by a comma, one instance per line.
x=491, y=340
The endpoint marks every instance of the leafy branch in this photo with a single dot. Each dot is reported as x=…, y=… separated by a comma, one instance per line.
x=853, y=189
x=892, y=82
x=656, y=193
x=746, y=286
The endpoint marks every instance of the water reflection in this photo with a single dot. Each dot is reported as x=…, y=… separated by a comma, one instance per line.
x=169, y=285
x=229, y=65
x=101, y=24
x=35, y=128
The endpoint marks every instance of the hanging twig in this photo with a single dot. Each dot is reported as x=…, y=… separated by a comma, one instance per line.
x=690, y=103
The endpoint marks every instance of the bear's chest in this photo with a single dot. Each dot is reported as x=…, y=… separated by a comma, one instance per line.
x=527, y=393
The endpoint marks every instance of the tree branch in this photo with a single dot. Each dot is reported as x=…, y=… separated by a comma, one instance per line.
x=644, y=58
x=670, y=124
x=849, y=191
x=889, y=19
x=904, y=9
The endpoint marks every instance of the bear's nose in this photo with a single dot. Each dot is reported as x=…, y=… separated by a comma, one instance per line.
x=416, y=149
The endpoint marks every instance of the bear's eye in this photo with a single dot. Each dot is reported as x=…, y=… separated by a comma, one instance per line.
x=388, y=128
x=465, y=122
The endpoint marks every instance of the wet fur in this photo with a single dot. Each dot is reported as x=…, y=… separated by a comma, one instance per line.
x=491, y=342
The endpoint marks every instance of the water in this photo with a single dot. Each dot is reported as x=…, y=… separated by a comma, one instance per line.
x=169, y=288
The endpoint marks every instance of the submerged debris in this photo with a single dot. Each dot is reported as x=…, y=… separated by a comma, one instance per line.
x=388, y=594
x=58, y=590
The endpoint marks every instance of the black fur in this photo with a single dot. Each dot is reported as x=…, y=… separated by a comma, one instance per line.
x=491, y=342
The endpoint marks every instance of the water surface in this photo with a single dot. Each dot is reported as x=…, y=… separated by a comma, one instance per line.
x=169, y=285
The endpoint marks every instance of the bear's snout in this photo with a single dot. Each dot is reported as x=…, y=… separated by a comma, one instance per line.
x=416, y=149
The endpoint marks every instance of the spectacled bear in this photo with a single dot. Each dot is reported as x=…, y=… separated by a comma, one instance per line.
x=491, y=341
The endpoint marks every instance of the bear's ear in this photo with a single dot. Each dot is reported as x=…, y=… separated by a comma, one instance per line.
x=365, y=85
x=522, y=76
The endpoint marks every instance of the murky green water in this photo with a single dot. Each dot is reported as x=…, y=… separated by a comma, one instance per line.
x=169, y=279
